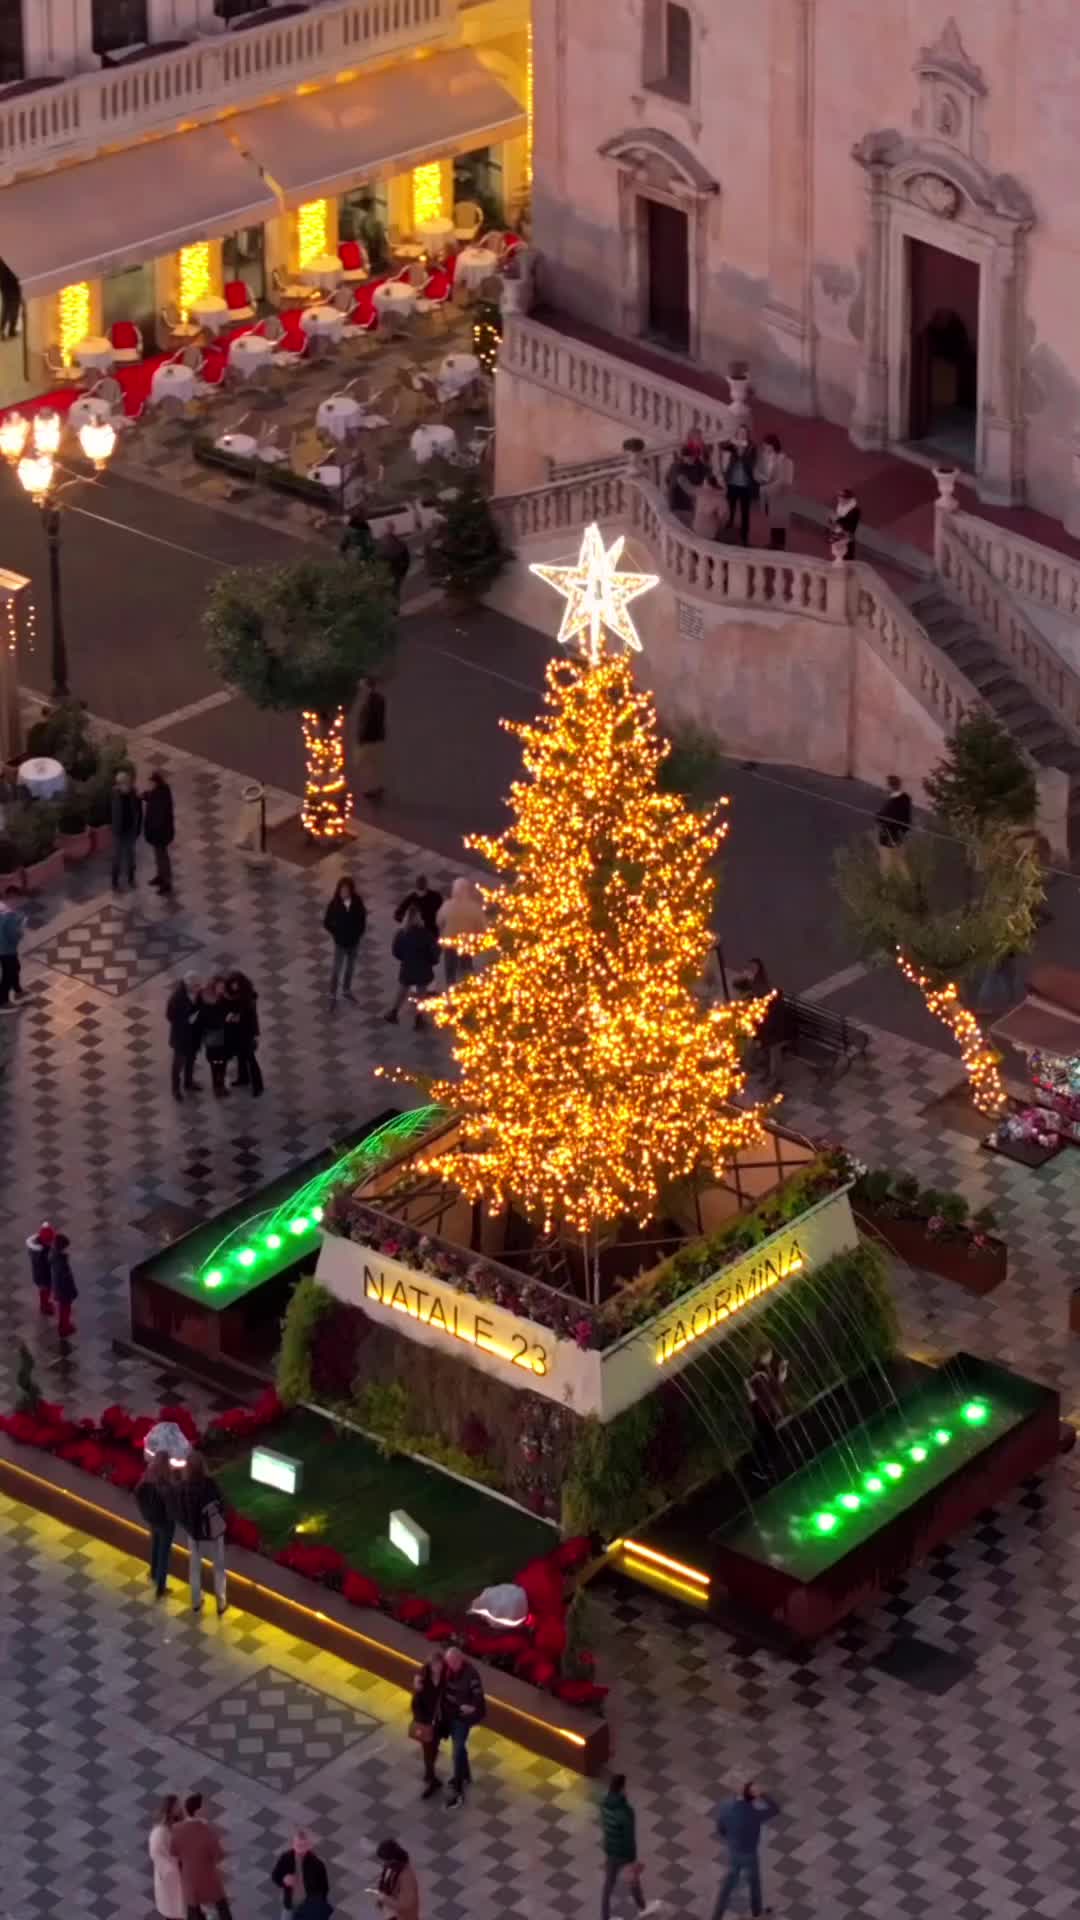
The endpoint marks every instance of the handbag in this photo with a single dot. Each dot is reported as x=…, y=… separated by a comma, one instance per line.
x=213, y=1520
x=420, y=1730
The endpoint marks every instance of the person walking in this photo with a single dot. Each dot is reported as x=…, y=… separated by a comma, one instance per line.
x=370, y=741
x=739, y=1822
x=168, y=1885
x=126, y=821
x=242, y=1031
x=462, y=913
x=62, y=1280
x=776, y=473
x=416, y=952
x=428, y=1724
x=426, y=899
x=159, y=828
x=12, y=928
x=11, y=299
x=152, y=1500
x=398, y=1890
x=212, y=1032
x=303, y=1879
x=196, y=1505
x=464, y=1707
x=198, y=1849
x=356, y=536
x=183, y=1011
x=345, y=920
x=893, y=825
x=39, y=1247
x=846, y=515
x=618, y=1827
x=740, y=480
x=397, y=560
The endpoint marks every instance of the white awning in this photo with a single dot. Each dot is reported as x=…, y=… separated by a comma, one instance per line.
x=323, y=143
x=126, y=208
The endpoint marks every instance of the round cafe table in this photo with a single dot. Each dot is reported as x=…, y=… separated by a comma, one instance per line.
x=210, y=311
x=339, y=415
x=242, y=444
x=251, y=350
x=474, y=265
x=325, y=323
x=94, y=352
x=426, y=442
x=43, y=777
x=457, y=372
x=436, y=233
x=324, y=271
x=88, y=410
x=172, y=380
x=396, y=294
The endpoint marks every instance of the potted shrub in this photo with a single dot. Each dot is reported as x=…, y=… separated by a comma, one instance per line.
x=33, y=829
x=11, y=866
x=74, y=836
x=933, y=1231
x=63, y=733
x=466, y=552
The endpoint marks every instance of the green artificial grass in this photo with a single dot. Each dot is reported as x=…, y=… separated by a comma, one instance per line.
x=348, y=1492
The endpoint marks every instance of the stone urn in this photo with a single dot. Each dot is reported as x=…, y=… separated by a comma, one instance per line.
x=946, y=478
x=838, y=547
x=739, y=388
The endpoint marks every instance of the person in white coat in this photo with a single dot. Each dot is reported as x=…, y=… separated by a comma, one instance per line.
x=168, y=1888
x=462, y=913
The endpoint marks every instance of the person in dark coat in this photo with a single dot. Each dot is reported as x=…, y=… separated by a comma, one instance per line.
x=397, y=560
x=893, y=825
x=159, y=828
x=771, y=1036
x=357, y=537
x=242, y=1031
x=183, y=1011
x=62, y=1280
x=428, y=1717
x=416, y=952
x=151, y=1498
x=126, y=823
x=212, y=1032
x=345, y=919
x=688, y=471
x=195, y=1503
x=739, y=1822
x=370, y=742
x=741, y=481
x=39, y=1247
x=465, y=1707
x=618, y=1828
x=846, y=515
x=10, y=301
x=426, y=900
x=303, y=1879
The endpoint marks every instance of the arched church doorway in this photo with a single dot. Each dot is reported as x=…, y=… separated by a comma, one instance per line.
x=943, y=301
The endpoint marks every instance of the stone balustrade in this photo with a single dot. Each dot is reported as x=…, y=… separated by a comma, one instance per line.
x=964, y=547
x=1032, y=572
x=898, y=638
x=647, y=403
x=199, y=81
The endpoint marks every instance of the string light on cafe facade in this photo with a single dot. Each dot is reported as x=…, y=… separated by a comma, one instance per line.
x=427, y=192
x=327, y=800
x=311, y=231
x=194, y=274
x=73, y=318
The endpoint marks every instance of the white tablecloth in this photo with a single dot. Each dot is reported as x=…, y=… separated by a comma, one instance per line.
x=340, y=415
x=42, y=777
x=323, y=271
x=172, y=378
x=474, y=264
x=456, y=372
x=395, y=293
x=94, y=352
x=436, y=233
x=428, y=441
x=251, y=350
x=326, y=321
x=328, y=475
x=88, y=409
x=242, y=444
x=210, y=311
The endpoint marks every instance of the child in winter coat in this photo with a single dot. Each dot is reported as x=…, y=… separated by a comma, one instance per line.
x=39, y=1247
x=64, y=1290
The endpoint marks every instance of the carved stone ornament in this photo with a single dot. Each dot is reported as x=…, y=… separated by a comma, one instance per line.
x=947, y=59
x=661, y=161
x=935, y=194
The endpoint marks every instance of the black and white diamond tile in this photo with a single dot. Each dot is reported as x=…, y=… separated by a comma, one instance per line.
x=115, y=949
x=276, y=1730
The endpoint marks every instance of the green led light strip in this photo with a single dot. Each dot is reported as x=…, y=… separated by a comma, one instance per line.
x=888, y=1473
x=297, y=1221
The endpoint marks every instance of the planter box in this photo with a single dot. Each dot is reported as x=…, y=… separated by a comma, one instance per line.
x=977, y=1269
x=102, y=839
x=44, y=873
x=76, y=846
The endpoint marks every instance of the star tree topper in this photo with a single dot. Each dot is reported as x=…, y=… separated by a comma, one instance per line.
x=596, y=595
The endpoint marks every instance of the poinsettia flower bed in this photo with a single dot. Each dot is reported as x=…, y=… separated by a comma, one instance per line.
x=112, y=1449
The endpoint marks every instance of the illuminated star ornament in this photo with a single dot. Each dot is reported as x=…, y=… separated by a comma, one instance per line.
x=597, y=596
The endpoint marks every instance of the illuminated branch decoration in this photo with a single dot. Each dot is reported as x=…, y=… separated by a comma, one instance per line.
x=311, y=231
x=194, y=274
x=427, y=193
x=980, y=1060
x=327, y=800
x=589, y=1075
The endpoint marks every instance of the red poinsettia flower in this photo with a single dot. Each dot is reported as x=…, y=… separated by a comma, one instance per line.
x=359, y=1590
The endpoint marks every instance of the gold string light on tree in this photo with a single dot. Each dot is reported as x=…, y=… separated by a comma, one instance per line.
x=981, y=1063
x=589, y=1075
x=327, y=800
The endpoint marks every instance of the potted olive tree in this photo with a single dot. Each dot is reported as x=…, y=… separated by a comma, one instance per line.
x=32, y=827
x=73, y=833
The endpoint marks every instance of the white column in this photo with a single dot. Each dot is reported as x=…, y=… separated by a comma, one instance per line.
x=1000, y=478
x=870, y=418
x=788, y=378
x=57, y=36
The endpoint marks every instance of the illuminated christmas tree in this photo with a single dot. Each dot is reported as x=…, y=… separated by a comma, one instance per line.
x=589, y=1074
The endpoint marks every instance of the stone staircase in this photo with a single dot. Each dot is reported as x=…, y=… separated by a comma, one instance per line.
x=1031, y=724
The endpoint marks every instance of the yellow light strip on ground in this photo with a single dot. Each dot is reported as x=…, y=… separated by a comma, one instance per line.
x=662, y=1560
x=427, y=191
x=654, y=1576
x=73, y=309
x=311, y=230
x=194, y=274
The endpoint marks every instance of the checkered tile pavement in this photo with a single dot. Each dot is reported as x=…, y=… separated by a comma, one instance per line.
x=924, y=1757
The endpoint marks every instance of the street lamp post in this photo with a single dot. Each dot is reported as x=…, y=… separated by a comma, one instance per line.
x=39, y=476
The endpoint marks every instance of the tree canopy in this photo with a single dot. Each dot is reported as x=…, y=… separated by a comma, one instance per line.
x=303, y=636
x=983, y=779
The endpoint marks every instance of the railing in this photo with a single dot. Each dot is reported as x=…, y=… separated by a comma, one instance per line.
x=647, y=403
x=654, y=462
x=969, y=582
x=197, y=81
x=899, y=639
x=1036, y=573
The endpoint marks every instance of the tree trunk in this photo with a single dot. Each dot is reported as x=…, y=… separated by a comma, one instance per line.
x=980, y=1060
x=327, y=800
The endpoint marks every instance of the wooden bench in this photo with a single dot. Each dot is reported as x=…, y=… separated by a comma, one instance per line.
x=826, y=1040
